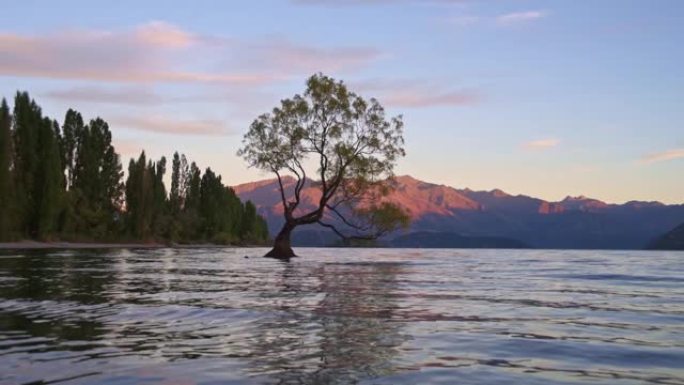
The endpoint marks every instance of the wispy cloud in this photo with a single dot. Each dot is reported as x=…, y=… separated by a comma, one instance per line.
x=503, y=20
x=243, y=102
x=162, y=34
x=166, y=125
x=297, y=58
x=119, y=95
x=148, y=53
x=663, y=156
x=520, y=17
x=430, y=99
x=541, y=144
x=157, y=52
x=417, y=93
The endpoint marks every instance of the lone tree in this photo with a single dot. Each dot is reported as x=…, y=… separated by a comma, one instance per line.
x=349, y=146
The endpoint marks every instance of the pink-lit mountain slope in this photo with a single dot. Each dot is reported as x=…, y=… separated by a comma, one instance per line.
x=575, y=222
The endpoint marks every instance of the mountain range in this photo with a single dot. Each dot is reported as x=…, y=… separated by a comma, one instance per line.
x=672, y=240
x=443, y=216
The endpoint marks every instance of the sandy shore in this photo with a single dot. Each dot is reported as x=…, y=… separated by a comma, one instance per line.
x=30, y=245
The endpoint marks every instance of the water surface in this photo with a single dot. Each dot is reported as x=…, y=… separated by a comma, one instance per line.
x=341, y=316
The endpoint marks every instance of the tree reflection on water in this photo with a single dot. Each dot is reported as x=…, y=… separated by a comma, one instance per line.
x=308, y=323
x=347, y=336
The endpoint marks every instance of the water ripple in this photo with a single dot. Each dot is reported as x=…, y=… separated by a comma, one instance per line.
x=342, y=316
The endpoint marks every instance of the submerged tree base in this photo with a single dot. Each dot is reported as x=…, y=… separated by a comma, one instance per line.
x=283, y=253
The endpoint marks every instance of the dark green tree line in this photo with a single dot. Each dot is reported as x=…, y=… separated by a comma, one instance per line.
x=93, y=178
x=6, y=182
x=37, y=170
x=66, y=182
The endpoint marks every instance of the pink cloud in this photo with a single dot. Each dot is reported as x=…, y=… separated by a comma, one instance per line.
x=91, y=94
x=164, y=125
x=541, y=144
x=297, y=58
x=147, y=54
x=428, y=99
x=157, y=52
x=663, y=156
x=162, y=34
x=417, y=94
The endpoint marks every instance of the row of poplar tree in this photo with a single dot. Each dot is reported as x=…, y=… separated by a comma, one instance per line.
x=66, y=182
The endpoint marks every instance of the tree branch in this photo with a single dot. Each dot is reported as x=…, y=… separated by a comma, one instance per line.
x=348, y=238
x=286, y=209
x=346, y=221
x=299, y=186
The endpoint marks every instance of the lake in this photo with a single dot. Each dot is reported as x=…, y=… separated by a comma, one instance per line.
x=341, y=316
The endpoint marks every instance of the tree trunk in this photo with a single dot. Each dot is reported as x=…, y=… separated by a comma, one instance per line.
x=281, y=246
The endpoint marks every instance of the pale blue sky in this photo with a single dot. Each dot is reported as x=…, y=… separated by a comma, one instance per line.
x=544, y=98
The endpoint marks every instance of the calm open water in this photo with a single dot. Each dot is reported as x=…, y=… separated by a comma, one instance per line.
x=342, y=316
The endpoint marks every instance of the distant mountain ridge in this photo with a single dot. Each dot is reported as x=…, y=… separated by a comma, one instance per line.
x=672, y=240
x=575, y=222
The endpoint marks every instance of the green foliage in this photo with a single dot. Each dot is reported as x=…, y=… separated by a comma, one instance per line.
x=177, y=194
x=143, y=212
x=384, y=217
x=350, y=136
x=199, y=207
x=253, y=228
x=27, y=122
x=93, y=177
x=72, y=130
x=49, y=181
x=67, y=184
x=7, y=214
x=223, y=212
x=353, y=146
x=37, y=171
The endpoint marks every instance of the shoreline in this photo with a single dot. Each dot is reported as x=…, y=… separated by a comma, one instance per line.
x=35, y=245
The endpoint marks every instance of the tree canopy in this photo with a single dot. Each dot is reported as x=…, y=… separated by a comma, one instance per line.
x=67, y=182
x=340, y=142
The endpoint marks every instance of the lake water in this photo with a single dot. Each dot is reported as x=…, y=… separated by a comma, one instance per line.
x=342, y=316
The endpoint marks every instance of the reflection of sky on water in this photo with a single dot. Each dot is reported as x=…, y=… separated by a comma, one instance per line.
x=341, y=316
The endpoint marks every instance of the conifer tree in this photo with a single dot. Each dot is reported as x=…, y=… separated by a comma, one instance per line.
x=27, y=126
x=175, y=193
x=253, y=228
x=191, y=222
x=66, y=182
x=146, y=201
x=160, y=218
x=72, y=130
x=49, y=179
x=135, y=197
x=94, y=174
x=6, y=190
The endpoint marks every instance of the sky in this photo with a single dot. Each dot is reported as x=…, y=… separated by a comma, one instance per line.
x=542, y=98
